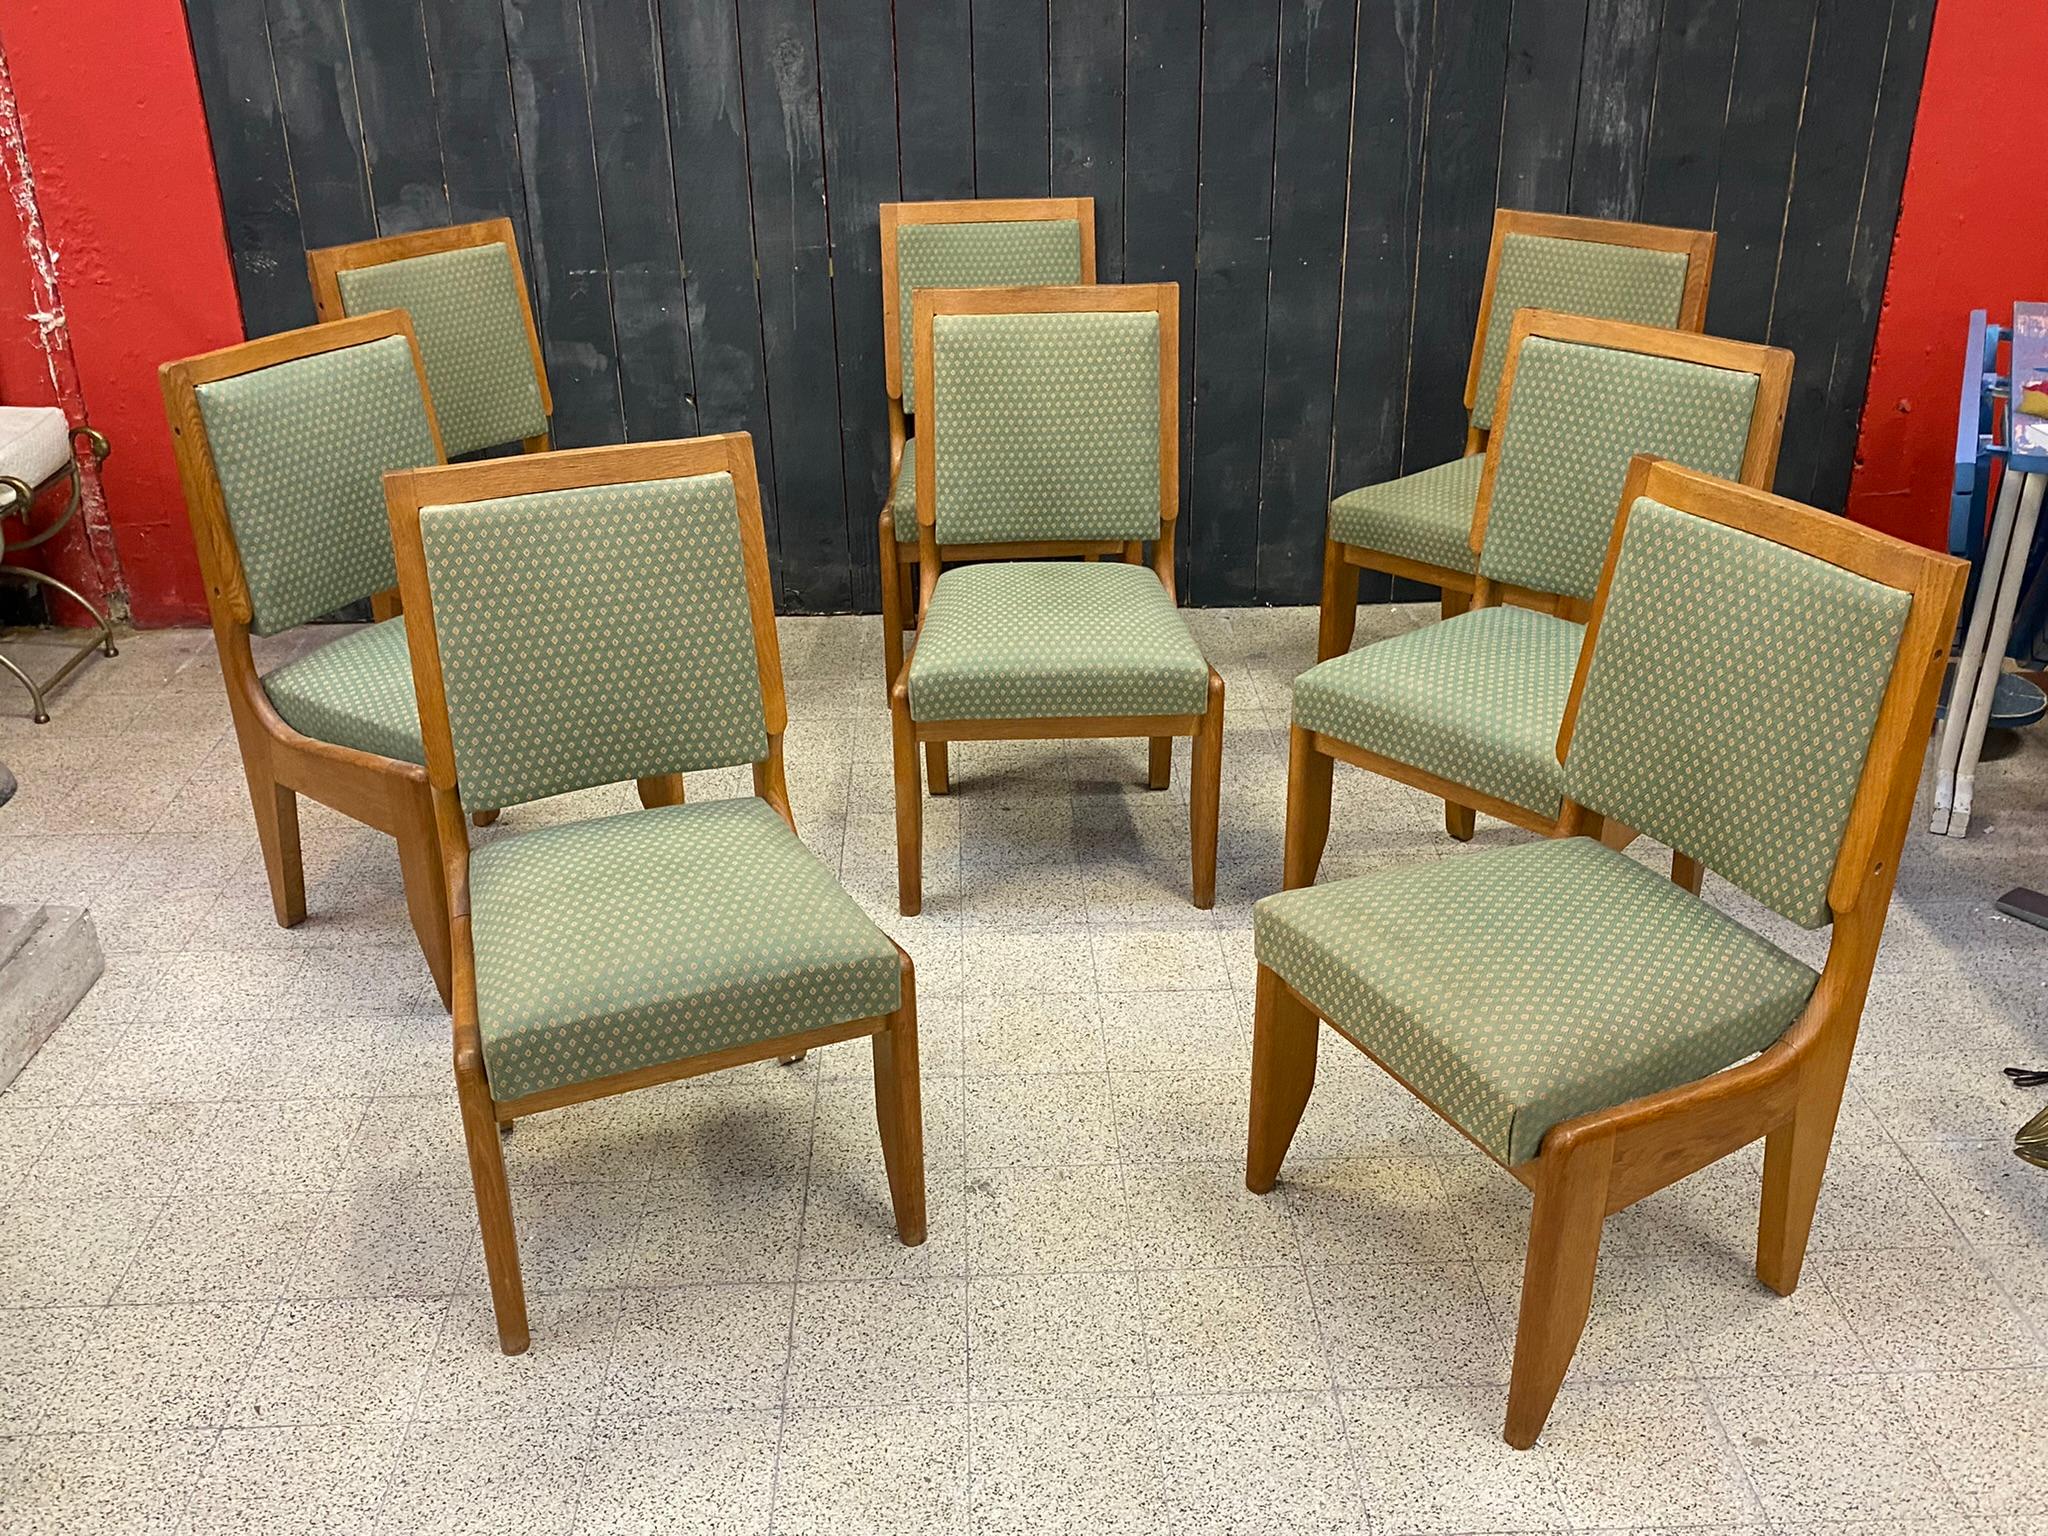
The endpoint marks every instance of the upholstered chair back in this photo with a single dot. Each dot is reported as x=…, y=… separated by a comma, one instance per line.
x=1576, y=415
x=1008, y=253
x=1729, y=701
x=593, y=635
x=1575, y=277
x=1045, y=426
x=301, y=449
x=469, y=313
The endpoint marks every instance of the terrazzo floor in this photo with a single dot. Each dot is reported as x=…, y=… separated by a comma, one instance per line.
x=241, y=1287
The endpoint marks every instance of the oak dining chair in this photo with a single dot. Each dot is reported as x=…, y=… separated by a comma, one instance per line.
x=1756, y=690
x=1416, y=526
x=612, y=953
x=1052, y=435
x=967, y=243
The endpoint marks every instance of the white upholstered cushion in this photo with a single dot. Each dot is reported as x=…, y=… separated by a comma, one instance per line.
x=35, y=442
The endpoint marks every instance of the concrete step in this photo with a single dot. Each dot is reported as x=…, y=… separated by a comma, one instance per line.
x=49, y=959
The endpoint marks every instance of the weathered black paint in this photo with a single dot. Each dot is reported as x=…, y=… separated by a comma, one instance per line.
x=694, y=182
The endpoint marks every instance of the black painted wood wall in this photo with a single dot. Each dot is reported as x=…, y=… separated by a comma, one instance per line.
x=696, y=181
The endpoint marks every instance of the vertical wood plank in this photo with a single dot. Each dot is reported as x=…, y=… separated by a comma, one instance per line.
x=1689, y=112
x=642, y=250
x=856, y=74
x=1086, y=42
x=935, y=98
x=387, y=42
x=1233, y=264
x=1546, y=42
x=565, y=221
x=1311, y=145
x=786, y=157
x=473, y=113
x=323, y=125
x=1469, y=54
x=1012, y=127
x=1619, y=69
x=231, y=48
x=714, y=205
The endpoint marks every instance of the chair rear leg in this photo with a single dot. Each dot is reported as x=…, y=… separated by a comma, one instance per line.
x=1308, y=809
x=1557, y=1279
x=899, y=1112
x=892, y=602
x=1338, y=618
x=419, y=862
x=1461, y=821
x=1686, y=872
x=936, y=771
x=277, y=829
x=1205, y=794
x=1159, y=763
x=1450, y=602
x=909, y=809
x=493, y=1203
x=1795, y=1158
x=660, y=789
x=1283, y=1072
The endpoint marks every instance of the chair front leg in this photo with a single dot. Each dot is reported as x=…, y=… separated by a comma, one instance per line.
x=937, y=772
x=1308, y=809
x=660, y=789
x=899, y=1111
x=1795, y=1158
x=1461, y=821
x=1205, y=794
x=493, y=1201
x=1557, y=1278
x=419, y=863
x=1283, y=1072
x=892, y=601
x=909, y=807
x=1339, y=615
x=277, y=829
x=1159, y=763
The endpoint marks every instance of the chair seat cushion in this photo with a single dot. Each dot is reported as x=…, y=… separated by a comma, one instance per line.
x=903, y=494
x=1518, y=989
x=354, y=692
x=35, y=442
x=1477, y=699
x=631, y=941
x=1426, y=516
x=1044, y=639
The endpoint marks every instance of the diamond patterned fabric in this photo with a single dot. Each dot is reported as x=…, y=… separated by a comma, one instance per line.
x=903, y=494
x=629, y=941
x=1001, y=253
x=1525, y=986
x=1579, y=414
x=1730, y=701
x=1042, y=639
x=301, y=449
x=472, y=332
x=1046, y=427
x=592, y=636
x=355, y=692
x=1476, y=699
x=1574, y=277
x=1425, y=516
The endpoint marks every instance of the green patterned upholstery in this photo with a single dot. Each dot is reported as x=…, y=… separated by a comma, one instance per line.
x=903, y=495
x=355, y=692
x=1730, y=701
x=1044, y=639
x=1522, y=987
x=1426, y=516
x=1576, y=277
x=1001, y=253
x=630, y=941
x=301, y=449
x=1579, y=414
x=466, y=311
x=1046, y=426
x=592, y=636
x=1476, y=699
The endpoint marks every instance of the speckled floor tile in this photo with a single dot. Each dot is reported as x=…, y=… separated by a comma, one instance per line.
x=873, y=1472
x=1269, y=1462
x=693, y=1474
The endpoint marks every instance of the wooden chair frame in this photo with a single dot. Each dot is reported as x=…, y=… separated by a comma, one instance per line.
x=899, y=562
x=897, y=1098
x=1311, y=754
x=325, y=266
x=1342, y=562
x=1206, y=728
x=1602, y=1162
x=279, y=763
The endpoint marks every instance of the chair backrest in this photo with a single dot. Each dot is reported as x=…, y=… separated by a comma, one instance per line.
x=1757, y=686
x=1052, y=413
x=283, y=444
x=588, y=617
x=1648, y=274
x=975, y=243
x=1580, y=398
x=467, y=297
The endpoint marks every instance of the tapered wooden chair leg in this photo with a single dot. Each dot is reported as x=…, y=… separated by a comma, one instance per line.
x=661, y=789
x=1308, y=809
x=1205, y=795
x=493, y=1203
x=1159, y=763
x=277, y=829
x=899, y=1111
x=892, y=602
x=483, y=818
x=1338, y=618
x=1283, y=1072
x=1450, y=602
x=1795, y=1158
x=1461, y=821
x=419, y=862
x=1557, y=1279
x=909, y=809
x=936, y=770
x=1686, y=872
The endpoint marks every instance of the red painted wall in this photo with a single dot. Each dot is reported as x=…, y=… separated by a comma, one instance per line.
x=115, y=129
x=1973, y=234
